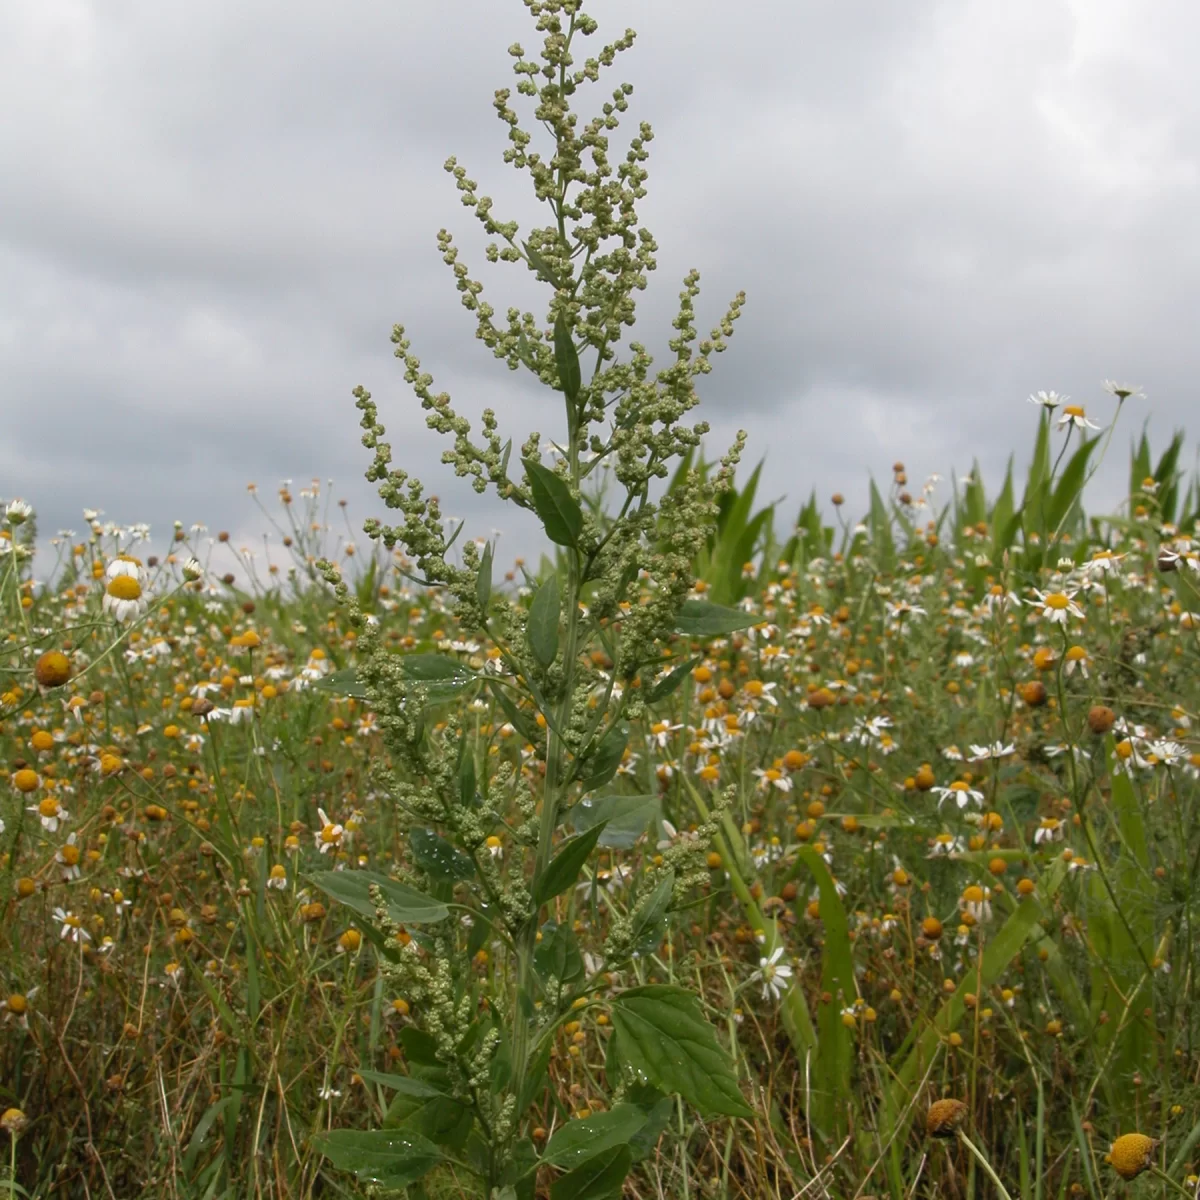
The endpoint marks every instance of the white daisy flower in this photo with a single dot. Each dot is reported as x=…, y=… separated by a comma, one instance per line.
x=774, y=975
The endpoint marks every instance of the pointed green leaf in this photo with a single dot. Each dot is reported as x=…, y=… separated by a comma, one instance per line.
x=701, y=619
x=563, y=869
x=405, y=1084
x=440, y=677
x=390, y=1157
x=624, y=817
x=557, y=954
x=520, y=719
x=483, y=581
x=542, y=627
x=657, y=1109
x=665, y=1037
x=605, y=757
x=525, y=352
x=1068, y=491
x=567, y=361
x=601, y=1178
x=669, y=683
x=576, y=1142
x=341, y=683
x=405, y=905
x=438, y=858
x=540, y=265
x=561, y=516
x=650, y=920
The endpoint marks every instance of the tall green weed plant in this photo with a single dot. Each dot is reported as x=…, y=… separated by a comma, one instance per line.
x=573, y=658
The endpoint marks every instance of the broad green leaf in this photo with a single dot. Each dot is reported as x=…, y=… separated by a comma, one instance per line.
x=563, y=869
x=438, y=858
x=604, y=757
x=420, y=1048
x=624, y=817
x=520, y=1174
x=405, y=905
x=542, y=627
x=578, y=1141
x=701, y=618
x=390, y=1157
x=657, y=1109
x=341, y=683
x=561, y=516
x=443, y=678
x=441, y=1119
x=602, y=1178
x=567, y=361
x=665, y=1037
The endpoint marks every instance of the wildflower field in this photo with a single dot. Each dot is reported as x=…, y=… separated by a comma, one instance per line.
x=722, y=852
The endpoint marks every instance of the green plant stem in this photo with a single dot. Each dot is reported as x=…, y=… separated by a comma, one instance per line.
x=1159, y=1173
x=797, y=1021
x=552, y=797
x=981, y=1159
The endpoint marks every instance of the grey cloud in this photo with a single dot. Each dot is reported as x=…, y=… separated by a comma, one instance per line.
x=212, y=217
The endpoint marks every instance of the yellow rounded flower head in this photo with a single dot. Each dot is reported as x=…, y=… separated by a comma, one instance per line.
x=1131, y=1154
x=944, y=1118
x=52, y=669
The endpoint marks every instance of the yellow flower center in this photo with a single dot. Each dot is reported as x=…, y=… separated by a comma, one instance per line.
x=973, y=894
x=1073, y=410
x=48, y=807
x=124, y=587
x=330, y=833
x=1076, y=654
x=1057, y=600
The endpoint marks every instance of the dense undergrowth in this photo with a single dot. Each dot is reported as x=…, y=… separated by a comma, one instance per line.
x=964, y=815
x=721, y=855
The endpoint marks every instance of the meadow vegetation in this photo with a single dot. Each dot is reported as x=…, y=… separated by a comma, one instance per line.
x=724, y=852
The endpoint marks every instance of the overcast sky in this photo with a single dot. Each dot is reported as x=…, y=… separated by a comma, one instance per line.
x=212, y=214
